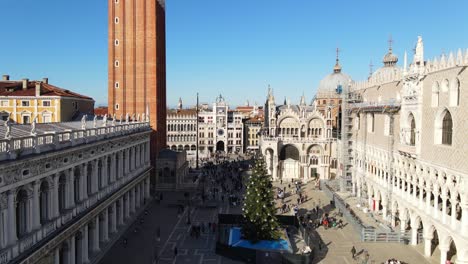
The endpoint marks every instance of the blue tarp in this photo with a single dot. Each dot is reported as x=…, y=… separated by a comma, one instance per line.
x=235, y=240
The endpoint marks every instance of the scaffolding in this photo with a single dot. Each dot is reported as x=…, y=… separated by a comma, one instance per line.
x=348, y=100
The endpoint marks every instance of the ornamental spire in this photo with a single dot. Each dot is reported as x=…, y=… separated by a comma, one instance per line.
x=337, y=68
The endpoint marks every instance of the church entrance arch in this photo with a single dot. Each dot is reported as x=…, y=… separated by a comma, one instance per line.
x=289, y=162
x=220, y=146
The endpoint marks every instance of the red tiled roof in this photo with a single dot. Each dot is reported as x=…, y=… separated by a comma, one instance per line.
x=15, y=88
x=103, y=110
x=182, y=112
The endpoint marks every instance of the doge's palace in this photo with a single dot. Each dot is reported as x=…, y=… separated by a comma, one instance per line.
x=409, y=149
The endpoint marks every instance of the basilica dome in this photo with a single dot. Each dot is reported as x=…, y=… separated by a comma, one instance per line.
x=327, y=86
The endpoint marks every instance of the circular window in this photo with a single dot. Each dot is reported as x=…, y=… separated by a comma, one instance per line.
x=220, y=132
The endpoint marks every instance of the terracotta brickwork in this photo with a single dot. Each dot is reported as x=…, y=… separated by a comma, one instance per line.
x=137, y=63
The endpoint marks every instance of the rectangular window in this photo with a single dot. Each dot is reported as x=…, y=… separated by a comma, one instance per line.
x=4, y=103
x=45, y=103
x=24, y=103
x=26, y=119
x=47, y=119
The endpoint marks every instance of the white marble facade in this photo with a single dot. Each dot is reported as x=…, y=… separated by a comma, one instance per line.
x=410, y=150
x=68, y=190
x=297, y=141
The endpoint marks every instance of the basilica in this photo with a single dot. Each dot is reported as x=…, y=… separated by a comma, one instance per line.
x=299, y=141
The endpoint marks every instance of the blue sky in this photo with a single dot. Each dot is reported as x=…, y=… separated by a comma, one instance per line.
x=232, y=47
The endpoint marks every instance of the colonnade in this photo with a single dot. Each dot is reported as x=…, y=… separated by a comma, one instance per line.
x=31, y=210
x=80, y=247
x=422, y=198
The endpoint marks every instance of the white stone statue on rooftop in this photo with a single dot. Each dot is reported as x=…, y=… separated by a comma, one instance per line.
x=127, y=118
x=143, y=117
x=121, y=117
x=95, y=121
x=104, y=120
x=8, y=128
x=138, y=118
x=113, y=120
x=83, y=122
x=33, y=127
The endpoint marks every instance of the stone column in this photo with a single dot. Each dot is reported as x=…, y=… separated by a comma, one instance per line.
x=84, y=181
x=84, y=245
x=121, y=162
x=55, y=196
x=121, y=211
x=71, y=252
x=137, y=196
x=96, y=234
x=443, y=254
x=132, y=200
x=137, y=156
x=427, y=246
x=113, y=167
x=71, y=188
x=95, y=178
x=384, y=210
x=114, y=218
x=444, y=209
x=421, y=201
x=104, y=172
x=436, y=204
x=106, y=225
x=36, y=218
x=428, y=201
x=29, y=213
x=127, y=204
x=12, y=238
x=453, y=213
x=57, y=256
x=403, y=224
x=414, y=235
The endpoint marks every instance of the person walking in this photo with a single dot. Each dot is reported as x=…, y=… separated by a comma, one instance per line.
x=353, y=252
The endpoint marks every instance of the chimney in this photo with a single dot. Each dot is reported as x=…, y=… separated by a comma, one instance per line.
x=45, y=80
x=25, y=84
x=38, y=89
x=6, y=77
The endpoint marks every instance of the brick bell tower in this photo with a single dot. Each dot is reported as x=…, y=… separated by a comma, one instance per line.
x=137, y=64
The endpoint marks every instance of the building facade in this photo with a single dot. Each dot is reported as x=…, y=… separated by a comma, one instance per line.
x=409, y=149
x=137, y=63
x=298, y=141
x=25, y=100
x=182, y=130
x=220, y=129
x=64, y=206
x=252, y=132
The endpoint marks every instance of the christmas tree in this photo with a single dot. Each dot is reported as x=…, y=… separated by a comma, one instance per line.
x=260, y=222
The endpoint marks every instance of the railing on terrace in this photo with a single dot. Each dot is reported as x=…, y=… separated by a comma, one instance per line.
x=55, y=137
x=392, y=103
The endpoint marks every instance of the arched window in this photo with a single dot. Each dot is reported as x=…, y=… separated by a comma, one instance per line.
x=76, y=186
x=21, y=213
x=412, y=130
x=44, y=201
x=447, y=127
x=62, y=192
